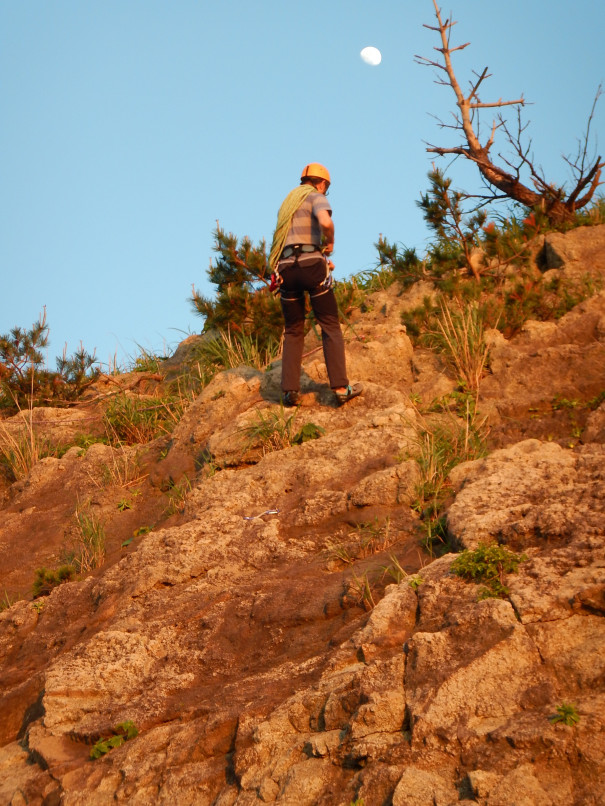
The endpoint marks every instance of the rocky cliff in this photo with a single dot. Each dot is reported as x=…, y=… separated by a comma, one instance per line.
x=283, y=634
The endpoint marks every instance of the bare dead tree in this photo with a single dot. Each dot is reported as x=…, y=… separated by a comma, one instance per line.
x=552, y=200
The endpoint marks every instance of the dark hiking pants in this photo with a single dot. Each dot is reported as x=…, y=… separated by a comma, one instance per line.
x=307, y=273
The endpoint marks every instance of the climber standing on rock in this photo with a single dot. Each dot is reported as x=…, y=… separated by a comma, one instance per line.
x=302, y=242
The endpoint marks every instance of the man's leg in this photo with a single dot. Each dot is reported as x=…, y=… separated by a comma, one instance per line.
x=325, y=309
x=293, y=308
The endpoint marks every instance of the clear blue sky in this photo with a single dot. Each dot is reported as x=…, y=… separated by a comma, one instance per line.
x=128, y=127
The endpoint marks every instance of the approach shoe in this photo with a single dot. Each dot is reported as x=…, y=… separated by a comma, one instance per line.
x=350, y=392
x=291, y=398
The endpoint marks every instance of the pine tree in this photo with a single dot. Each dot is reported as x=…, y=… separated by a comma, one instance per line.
x=21, y=361
x=443, y=211
x=244, y=303
x=23, y=378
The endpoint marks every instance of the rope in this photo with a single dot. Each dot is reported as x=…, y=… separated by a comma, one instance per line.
x=289, y=206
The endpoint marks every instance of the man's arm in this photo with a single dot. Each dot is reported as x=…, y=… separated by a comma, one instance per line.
x=327, y=231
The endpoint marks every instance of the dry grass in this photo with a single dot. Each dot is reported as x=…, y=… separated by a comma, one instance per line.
x=20, y=451
x=460, y=335
x=229, y=350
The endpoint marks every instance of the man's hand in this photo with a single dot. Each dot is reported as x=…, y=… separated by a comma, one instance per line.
x=327, y=231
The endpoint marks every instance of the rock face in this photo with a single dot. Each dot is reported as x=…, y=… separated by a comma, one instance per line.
x=282, y=637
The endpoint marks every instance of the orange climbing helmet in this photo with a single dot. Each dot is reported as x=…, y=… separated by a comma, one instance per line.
x=315, y=170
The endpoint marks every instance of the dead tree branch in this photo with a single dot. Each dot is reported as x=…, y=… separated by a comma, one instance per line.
x=544, y=195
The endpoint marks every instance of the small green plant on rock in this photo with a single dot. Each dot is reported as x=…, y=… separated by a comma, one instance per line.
x=121, y=733
x=308, y=432
x=567, y=714
x=488, y=564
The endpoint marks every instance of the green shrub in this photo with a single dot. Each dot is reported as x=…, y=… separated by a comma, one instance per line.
x=488, y=564
x=46, y=580
x=121, y=733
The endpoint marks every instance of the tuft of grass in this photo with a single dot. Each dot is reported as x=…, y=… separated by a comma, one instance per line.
x=460, y=335
x=7, y=601
x=359, y=588
x=275, y=430
x=124, y=469
x=132, y=420
x=488, y=564
x=394, y=570
x=271, y=430
x=88, y=551
x=147, y=361
x=372, y=537
x=365, y=540
x=177, y=495
x=229, y=350
x=439, y=448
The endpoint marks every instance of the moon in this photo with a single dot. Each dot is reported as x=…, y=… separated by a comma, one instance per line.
x=371, y=56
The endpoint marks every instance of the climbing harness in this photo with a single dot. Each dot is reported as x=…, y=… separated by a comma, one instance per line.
x=295, y=254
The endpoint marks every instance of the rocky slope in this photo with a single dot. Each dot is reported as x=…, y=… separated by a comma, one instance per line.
x=238, y=634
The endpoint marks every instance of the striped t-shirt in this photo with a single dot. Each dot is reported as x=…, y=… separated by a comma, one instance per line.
x=305, y=226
